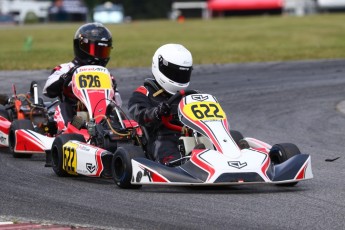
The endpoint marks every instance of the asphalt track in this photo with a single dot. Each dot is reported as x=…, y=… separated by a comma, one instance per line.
x=274, y=102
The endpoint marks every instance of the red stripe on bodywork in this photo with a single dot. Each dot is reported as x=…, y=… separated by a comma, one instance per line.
x=154, y=177
x=265, y=166
x=157, y=178
x=201, y=163
x=4, y=125
x=203, y=127
x=27, y=143
x=301, y=174
x=72, y=129
x=99, y=162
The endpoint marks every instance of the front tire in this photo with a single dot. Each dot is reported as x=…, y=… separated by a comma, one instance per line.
x=280, y=153
x=57, y=151
x=122, y=166
x=18, y=124
x=239, y=139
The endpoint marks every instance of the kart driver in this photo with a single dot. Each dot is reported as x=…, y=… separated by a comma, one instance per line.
x=92, y=46
x=171, y=69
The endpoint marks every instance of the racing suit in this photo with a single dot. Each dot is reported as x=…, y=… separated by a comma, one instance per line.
x=55, y=87
x=162, y=143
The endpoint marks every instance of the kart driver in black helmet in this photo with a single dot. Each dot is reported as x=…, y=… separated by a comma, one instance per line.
x=171, y=69
x=92, y=46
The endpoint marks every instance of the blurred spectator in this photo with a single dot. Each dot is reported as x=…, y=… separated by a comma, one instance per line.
x=68, y=10
x=57, y=12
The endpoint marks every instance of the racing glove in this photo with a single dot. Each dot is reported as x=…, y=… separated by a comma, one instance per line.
x=163, y=109
x=67, y=77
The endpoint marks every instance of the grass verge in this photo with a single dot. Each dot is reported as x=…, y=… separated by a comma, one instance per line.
x=228, y=40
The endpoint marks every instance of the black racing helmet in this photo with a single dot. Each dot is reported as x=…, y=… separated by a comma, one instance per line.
x=92, y=44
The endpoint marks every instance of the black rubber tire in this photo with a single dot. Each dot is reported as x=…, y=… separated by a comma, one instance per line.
x=4, y=113
x=109, y=145
x=239, y=139
x=57, y=151
x=15, y=125
x=280, y=153
x=236, y=135
x=122, y=166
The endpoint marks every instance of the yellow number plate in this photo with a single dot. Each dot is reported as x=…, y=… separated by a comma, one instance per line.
x=204, y=111
x=93, y=80
x=70, y=158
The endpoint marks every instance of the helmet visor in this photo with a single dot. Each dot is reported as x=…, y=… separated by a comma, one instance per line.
x=96, y=49
x=176, y=73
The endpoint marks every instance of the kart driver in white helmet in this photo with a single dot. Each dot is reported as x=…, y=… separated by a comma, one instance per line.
x=92, y=46
x=171, y=70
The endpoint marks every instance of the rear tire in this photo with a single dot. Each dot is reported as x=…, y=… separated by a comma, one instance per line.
x=57, y=151
x=18, y=124
x=280, y=153
x=122, y=166
x=109, y=144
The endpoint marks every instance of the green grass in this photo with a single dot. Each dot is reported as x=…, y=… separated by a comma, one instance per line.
x=229, y=40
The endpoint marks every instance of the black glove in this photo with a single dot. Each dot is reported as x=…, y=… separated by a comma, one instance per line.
x=67, y=77
x=163, y=109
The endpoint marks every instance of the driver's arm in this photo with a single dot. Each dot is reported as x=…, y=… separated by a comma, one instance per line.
x=142, y=110
x=54, y=84
x=60, y=77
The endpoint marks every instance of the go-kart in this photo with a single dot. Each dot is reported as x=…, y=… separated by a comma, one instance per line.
x=98, y=121
x=88, y=144
x=26, y=111
x=212, y=153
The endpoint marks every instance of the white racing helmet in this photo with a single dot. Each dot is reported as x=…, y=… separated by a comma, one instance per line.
x=172, y=67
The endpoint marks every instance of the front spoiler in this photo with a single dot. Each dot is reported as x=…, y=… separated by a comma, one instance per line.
x=297, y=168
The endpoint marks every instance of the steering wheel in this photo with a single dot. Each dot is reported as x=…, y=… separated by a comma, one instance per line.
x=166, y=119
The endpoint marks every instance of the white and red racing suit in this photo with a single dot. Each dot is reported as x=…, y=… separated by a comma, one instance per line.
x=54, y=87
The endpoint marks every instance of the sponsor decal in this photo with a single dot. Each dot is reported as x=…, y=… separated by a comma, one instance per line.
x=90, y=167
x=2, y=139
x=84, y=148
x=102, y=44
x=152, y=175
x=237, y=164
x=146, y=173
x=184, y=68
x=199, y=97
x=139, y=177
x=83, y=69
